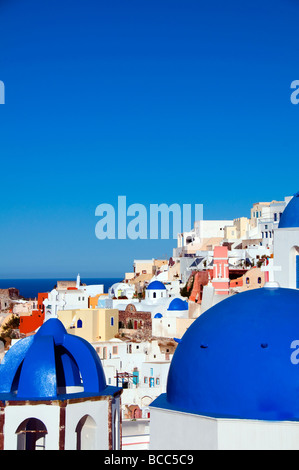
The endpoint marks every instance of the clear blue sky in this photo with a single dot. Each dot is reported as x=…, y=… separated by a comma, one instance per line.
x=174, y=101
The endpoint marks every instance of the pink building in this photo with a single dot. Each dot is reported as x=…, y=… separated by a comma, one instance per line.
x=220, y=279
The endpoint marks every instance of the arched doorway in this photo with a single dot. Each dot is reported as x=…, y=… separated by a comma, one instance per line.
x=86, y=433
x=31, y=435
x=294, y=268
x=116, y=430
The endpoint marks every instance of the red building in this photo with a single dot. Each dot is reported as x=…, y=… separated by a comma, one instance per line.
x=29, y=323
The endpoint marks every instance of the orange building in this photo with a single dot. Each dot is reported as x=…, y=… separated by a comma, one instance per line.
x=93, y=301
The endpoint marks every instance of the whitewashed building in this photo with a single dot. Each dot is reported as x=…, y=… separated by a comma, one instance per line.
x=233, y=380
x=286, y=246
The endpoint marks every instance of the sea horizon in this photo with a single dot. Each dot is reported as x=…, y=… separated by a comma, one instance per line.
x=30, y=287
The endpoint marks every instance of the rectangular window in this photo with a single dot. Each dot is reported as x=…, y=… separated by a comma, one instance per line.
x=152, y=371
x=111, y=321
x=114, y=350
x=145, y=380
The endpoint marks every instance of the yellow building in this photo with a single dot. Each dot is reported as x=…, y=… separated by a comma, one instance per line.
x=99, y=324
x=238, y=230
x=253, y=279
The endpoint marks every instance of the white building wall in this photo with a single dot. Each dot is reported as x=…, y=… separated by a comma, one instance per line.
x=257, y=435
x=155, y=370
x=98, y=411
x=286, y=248
x=93, y=290
x=164, y=327
x=183, y=431
x=75, y=300
x=15, y=415
x=211, y=228
x=155, y=295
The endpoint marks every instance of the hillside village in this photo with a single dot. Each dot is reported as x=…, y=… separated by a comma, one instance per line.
x=136, y=326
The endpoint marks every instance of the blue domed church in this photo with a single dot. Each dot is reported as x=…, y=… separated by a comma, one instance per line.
x=286, y=246
x=233, y=381
x=53, y=395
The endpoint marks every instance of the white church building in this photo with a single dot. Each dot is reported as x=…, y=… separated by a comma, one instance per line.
x=286, y=246
x=234, y=378
x=54, y=396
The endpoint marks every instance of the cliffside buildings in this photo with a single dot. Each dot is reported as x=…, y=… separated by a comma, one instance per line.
x=222, y=270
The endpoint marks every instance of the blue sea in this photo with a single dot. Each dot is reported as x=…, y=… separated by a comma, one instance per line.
x=29, y=288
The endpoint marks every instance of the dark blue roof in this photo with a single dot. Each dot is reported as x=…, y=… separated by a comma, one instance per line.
x=235, y=359
x=178, y=304
x=156, y=285
x=290, y=216
x=158, y=315
x=43, y=365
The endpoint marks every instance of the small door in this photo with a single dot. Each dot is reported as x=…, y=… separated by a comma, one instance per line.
x=297, y=272
x=135, y=377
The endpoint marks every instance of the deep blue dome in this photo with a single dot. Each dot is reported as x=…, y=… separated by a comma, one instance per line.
x=50, y=364
x=156, y=285
x=178, y=304
x=235, y=359
x=158, y=315
x=290, y=216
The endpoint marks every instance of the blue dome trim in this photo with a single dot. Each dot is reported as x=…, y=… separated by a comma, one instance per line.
x=156, y=285
x=54, y=328
x=38, y=376
x=88, y=362
x=11, y=363
x=290, y=216
x=234, y=374
x=178, y=304
x=43, y=365
x=158, y=315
